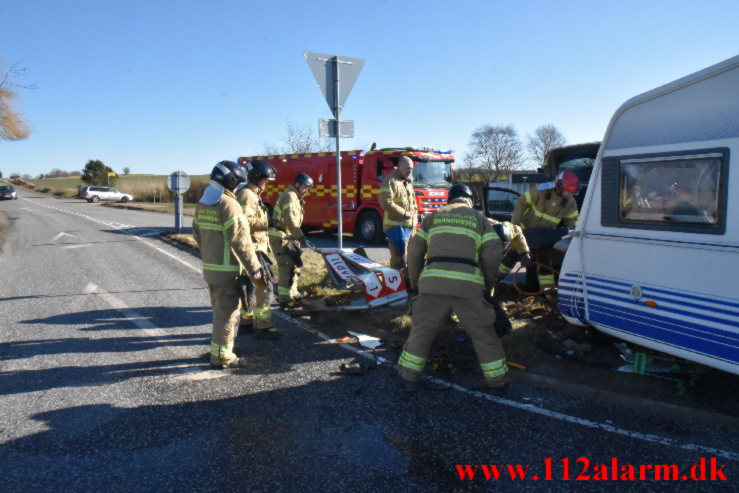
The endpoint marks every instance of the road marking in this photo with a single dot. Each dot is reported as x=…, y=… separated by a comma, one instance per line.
x=529, y=407
x=481, y=395
x=60, y=235
x=122, y=228
x=186, y=372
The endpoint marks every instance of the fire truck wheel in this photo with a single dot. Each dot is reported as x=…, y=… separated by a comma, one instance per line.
x=369, y=228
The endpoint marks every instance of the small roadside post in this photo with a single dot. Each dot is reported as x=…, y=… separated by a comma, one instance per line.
x=178, y=183
x=110, y=173
x=335, y=76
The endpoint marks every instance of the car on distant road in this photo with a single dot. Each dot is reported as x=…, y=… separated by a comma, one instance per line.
x=96, y=194
x=8, y=192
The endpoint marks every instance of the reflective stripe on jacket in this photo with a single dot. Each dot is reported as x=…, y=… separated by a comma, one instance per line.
x=256, y=214
x=287, y=216
x=396, y=199
x=466, y=245
x=222, y=234
x=544, y=209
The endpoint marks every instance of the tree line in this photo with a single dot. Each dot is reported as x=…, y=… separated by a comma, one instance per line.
x=496, y=151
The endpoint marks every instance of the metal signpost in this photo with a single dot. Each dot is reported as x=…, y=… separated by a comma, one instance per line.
x=335, y=84
x=178, y=183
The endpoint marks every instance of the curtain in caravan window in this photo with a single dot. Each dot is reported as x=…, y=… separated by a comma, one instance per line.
x=670, y=191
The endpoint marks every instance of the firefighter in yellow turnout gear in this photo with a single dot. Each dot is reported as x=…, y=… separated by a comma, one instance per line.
x=398, y=201
x=222, y=234
x=285, y=236
x=452, y=262
x=258, y=173
x=549, y=206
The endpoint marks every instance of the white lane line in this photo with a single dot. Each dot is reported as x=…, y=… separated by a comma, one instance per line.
x=122, y=228
x=530, y=407
x=506, y=402
x=185, y=372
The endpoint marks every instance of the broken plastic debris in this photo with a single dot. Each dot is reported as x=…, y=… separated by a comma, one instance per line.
x=365, y=340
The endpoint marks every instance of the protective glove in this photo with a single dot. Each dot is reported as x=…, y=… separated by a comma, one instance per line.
x=527, y=261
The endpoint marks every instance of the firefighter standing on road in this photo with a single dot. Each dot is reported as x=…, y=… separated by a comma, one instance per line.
x=549, y=206
x=452, y=262
x=398, y=201
x=285, y=236
x=222, y=234
x=258, y=173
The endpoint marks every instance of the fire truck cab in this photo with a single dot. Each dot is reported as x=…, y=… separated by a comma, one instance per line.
x=361, y=176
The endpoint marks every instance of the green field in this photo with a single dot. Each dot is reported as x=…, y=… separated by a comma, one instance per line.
x=144, y=188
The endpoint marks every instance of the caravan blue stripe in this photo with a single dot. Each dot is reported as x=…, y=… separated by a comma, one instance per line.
x=710, y=348
x=597, y=285
x=726, y=337
x=601, y=313
x=659, y=310
x=679, y=294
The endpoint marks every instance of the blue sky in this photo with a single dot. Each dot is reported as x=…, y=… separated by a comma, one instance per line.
x=161, y=85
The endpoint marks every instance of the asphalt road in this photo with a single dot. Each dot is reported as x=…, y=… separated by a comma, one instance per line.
x=104, y=386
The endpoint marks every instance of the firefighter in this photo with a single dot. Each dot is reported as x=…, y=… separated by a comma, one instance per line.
x=452, y=261
x=258, y=174
x=219, y=223
x=549, y=206
x=398, y=201
x=285, y=236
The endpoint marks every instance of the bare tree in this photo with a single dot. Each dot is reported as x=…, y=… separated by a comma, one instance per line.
x=297, y=139
x=544, y=139
x=12, y=126
x=495, y=151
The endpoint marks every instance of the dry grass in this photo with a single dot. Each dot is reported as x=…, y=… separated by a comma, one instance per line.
x=166, y=208
x=184, y=239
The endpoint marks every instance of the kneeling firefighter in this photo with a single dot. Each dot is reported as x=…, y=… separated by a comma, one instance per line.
x=452, y=262
x=285, y=236
x=544, y=213
x=222, y=234
x=259, y=174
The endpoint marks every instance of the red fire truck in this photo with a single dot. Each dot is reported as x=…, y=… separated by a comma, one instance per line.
x=361, y=176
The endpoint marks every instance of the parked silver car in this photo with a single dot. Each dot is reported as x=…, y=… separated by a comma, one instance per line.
x=96, y=194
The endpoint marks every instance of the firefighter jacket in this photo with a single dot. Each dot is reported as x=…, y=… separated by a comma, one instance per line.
x=288, y=215
x=256, y=213
x=398, y=200
x=456, y=252
x=222, y=234
x=545, y=209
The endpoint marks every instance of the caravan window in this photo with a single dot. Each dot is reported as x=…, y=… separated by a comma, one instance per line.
x=671, y=190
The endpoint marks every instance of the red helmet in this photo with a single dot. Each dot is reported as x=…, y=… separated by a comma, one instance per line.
x=566, y=181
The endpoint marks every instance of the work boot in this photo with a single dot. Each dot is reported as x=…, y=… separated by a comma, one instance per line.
x=238, y=362
x=270, y=334
x=289, y=305
x=410, y=387
x=246, y=327
x=500, y=391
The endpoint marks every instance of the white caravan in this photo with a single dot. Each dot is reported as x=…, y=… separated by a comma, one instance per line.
x=654, y=258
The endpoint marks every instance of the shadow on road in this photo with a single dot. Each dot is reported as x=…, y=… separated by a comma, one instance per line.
x=315, y=437
x=113, y=319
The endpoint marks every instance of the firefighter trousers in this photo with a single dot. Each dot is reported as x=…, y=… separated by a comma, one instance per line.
x=224, y=298
x=261, y=317
x=536, y=278
x=429, y=313
x=397, y=261
x=287, y=272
